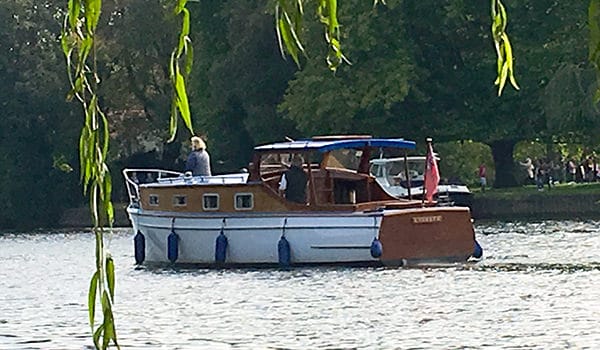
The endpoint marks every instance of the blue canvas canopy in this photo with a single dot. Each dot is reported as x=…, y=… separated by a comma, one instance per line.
x=330, y=145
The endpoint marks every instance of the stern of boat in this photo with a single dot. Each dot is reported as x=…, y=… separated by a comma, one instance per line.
x=427, y=235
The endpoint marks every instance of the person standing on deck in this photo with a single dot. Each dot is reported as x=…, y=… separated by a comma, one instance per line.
x=293, y=182
x=198, y=161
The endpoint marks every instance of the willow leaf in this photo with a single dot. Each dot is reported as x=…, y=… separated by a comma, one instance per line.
x=507, y=50
x=108, y=207
x=283, y=29
x=91, y=112
x=333, y=22
x=110, y=212
x=505, y=65
x=74, y=7
x=182, y=101
x=106, y=134
x=320, y=10
x=294, y=34
x=503, y=76
x=172, y=67
x=509, y=61
x=78, y=87
x=189, y=58
x=185, y=31
x=179, y=6
x=497, y=27
x=513, y=81
x=110, y=276
x=298, y=16
x=278, y=31
x=93, y=190
x=92, y=14
x=173, y=119
x=97, y=335
x=99, y=247
x=85, y=48
x=108, y=322
x=88, y=171
x=66, y=45
x=82, y=138
x=92, y=299
x=503, y=16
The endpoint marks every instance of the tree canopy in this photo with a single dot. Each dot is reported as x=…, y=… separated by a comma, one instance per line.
x=418, y=69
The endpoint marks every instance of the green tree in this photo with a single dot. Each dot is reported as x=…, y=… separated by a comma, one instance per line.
x=37, y=128
x=238, y=81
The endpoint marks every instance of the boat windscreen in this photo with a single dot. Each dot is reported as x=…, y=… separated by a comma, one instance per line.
x=279, y=162
x=344, y=159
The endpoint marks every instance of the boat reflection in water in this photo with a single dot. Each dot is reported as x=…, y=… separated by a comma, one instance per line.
x=346, y=217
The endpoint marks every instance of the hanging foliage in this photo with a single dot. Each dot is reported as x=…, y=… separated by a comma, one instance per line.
x=79, y=47
x=503, y=47
x=288, y=18
x=183, y=52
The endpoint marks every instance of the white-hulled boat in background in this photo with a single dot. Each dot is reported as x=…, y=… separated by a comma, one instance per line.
x=242, y=220
x=390, y=173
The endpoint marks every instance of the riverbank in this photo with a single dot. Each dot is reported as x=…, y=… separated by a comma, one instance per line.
x=577, y=201
x=564, y=201
x=80, y=217
x=537, y=206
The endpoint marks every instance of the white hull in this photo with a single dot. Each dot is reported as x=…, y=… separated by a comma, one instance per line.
x=314, y=238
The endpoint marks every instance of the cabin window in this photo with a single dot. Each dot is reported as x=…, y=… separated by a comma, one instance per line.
x=210, y=201
x=244, y=201
x=179, y=200
x=153, y=199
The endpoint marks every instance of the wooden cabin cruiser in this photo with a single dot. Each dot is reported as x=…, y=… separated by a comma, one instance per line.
x=391, y=174
x=345, y=216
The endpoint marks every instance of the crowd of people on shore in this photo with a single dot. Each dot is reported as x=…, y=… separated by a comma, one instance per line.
x=548, y=172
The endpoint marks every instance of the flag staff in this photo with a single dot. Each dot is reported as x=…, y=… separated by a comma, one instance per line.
x=428, y=141
x=407, y=175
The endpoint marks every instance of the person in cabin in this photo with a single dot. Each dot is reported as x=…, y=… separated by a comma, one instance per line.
x=293, y=182
x=198, y=161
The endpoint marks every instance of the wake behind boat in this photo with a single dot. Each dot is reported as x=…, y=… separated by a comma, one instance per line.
x=338, y=214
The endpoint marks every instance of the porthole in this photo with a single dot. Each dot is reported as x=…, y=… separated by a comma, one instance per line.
x=210, y=201
x=179, y=200
x=153, y=199
x=244, y=201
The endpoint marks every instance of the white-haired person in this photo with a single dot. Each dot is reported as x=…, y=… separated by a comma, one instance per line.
x=198, y=161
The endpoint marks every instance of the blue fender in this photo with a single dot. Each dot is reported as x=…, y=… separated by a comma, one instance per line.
x=477, y=251
x=139, y=245
x=221, y=248
x=376, y=248
x=173, y=246
x=283, y=250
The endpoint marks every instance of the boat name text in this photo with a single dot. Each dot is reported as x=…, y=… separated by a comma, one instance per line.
x=426, y=219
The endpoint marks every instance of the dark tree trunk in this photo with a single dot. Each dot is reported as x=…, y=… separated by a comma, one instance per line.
x=502, y=151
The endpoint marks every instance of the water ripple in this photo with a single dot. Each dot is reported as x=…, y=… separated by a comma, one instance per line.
x=537, y=287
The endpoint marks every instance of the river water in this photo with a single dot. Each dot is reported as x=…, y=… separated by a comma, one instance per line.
x=538, y=287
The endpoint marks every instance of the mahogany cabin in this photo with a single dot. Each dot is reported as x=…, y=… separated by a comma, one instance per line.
x=338, y=180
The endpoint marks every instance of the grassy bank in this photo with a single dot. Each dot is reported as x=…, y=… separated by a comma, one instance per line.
x=563, y=201
x=521, y=192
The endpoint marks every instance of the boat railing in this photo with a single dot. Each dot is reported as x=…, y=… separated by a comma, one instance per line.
x=188, y=179
x=135, y=177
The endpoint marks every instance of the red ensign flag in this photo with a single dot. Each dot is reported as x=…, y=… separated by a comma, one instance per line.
x=432, y=175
